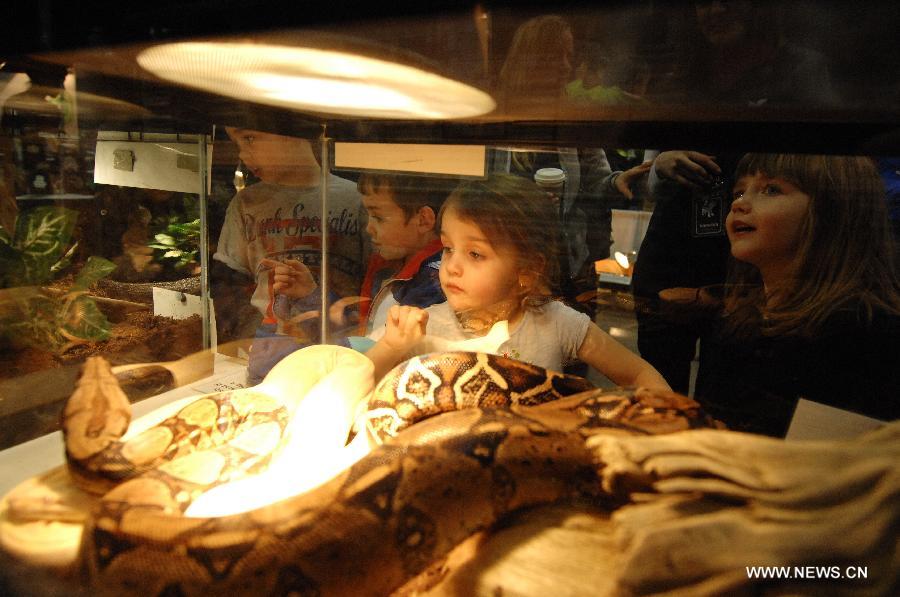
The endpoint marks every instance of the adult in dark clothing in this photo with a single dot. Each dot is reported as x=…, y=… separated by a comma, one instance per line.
x=733, y=53
x=585, y=216
x=534, y=75
x=684, y=247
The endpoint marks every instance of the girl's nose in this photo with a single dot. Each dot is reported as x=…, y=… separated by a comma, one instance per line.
x=451, y=264
x=370, y=228
x=741, y=204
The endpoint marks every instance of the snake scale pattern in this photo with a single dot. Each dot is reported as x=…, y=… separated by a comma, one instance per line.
x=467, y=438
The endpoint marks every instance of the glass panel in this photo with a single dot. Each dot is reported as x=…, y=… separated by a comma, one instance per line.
x=702, y=196
x=92, y=269
x=266, y=269
x=577, y=91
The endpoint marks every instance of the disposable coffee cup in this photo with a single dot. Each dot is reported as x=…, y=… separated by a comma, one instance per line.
x=551, y=180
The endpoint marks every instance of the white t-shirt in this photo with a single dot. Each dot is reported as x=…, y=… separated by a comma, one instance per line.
x=284, y=222
x=548, y=337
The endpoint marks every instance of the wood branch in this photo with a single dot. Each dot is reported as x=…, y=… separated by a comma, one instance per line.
x=138, y=381
x=121, y=304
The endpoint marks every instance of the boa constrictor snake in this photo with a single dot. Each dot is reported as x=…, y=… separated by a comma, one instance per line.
x=511, y=435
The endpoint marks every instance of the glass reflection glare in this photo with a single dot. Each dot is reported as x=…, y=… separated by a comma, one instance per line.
x=314, y=79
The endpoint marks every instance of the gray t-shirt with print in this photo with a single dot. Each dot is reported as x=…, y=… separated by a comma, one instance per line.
x=548, y=337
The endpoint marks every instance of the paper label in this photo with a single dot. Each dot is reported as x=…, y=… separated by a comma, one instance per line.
x=174, y=304
x=813, y=420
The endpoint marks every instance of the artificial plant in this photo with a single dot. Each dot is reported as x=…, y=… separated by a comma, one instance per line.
x=176, y=244
x=31, y=257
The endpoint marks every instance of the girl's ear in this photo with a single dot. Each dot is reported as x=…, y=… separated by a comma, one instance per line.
x=527, y=280
x=532, y=275
x=523, y=281
x=426, y=218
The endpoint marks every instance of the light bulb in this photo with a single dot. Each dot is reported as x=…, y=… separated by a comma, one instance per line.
x=315, y=79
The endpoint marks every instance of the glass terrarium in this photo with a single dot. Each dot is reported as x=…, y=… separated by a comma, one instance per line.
x=83, y=253
x=699, y=197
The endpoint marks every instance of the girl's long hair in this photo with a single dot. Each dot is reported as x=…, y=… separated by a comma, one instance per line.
x=846, y=257
x=516, y=215
x=530, y=71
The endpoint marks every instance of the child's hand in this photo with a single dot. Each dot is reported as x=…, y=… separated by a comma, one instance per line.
x=405, y=326
x=292, y=278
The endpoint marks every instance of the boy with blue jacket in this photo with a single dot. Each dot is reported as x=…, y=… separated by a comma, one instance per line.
x=406, y=253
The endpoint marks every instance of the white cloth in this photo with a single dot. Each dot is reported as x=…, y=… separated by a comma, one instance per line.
x=284, y=222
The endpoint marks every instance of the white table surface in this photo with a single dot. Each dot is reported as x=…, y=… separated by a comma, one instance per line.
x=46, y=452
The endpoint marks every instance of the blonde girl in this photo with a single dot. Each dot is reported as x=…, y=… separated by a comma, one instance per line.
x=499, y=264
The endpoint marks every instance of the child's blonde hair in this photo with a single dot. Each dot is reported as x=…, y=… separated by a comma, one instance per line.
x=514, y=214
x=846, y=255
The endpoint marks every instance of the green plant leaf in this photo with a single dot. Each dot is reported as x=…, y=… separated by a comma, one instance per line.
x=84, y=320
x=34, y=319
x=14, y=304
x=64, y=261
x=41, y=237
x=94, y=269
x=177, y=245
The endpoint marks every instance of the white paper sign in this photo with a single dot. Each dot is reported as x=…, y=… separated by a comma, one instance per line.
x=464, y=160
x=813, y=420
x=164, y=163
x=174, y=304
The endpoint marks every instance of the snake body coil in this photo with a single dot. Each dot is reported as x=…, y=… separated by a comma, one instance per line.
x=493, y=435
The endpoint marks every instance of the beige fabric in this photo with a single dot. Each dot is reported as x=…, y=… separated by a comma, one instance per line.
x=722, y=501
